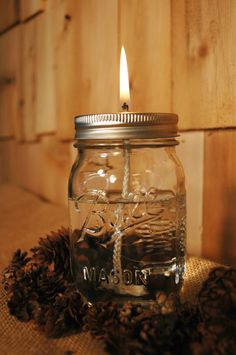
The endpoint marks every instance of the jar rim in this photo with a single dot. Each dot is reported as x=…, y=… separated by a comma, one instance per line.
x=126, y=125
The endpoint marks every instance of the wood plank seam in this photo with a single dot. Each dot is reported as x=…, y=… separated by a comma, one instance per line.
x=33, y=16
x=13, y=25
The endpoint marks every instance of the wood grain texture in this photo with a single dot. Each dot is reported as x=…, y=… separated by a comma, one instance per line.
x=43, y=167
x=45, y=77
x=29, y=80
x=39, y=111
x=10, y=83
x=219, y=238
x=31, y=7
x=55, y=169
x=145, y=32
x=24, y=219
x=86, y=59
x=203, y=61
x=9, y=14
x=7, y=161
x=191, y=153
x=28, y=163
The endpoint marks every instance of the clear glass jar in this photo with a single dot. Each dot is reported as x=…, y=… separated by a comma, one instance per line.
x=127, y=207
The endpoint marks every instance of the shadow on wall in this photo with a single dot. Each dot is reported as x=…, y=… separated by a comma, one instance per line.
x=228, y=233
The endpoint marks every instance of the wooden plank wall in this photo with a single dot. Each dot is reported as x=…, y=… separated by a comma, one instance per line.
x=9, y=82
x=61, y=58
x=145, y=32
x=204, y=57
x=9, y=14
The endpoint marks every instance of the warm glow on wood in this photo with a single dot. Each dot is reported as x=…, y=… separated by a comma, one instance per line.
x=124, y=79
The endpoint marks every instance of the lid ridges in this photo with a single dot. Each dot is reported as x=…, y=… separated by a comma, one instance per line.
x=125, y=118
x=84, y=124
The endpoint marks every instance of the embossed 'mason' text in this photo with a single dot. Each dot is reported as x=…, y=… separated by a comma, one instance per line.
x=128, y=277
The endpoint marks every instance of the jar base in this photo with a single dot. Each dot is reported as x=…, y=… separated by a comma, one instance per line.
x=158, y=281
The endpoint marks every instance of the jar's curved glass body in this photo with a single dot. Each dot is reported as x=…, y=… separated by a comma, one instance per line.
x=127, y=216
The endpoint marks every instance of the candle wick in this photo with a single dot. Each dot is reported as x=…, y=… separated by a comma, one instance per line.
x=125, y=107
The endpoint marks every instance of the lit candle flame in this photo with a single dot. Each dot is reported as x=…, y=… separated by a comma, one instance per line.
x=124, y=81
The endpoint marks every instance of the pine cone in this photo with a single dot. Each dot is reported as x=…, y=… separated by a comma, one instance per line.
x=218, y=338
x=76, y=306
x=19, y=260
x=63, y=317
x=18, y=304
x=54, y=251
x=40, y=287
x=100, y=317
x=49, y=285
x=217, y=298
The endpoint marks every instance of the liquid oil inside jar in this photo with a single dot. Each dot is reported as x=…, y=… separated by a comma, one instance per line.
x=128, y=249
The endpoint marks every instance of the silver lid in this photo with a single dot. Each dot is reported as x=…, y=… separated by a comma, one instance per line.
x=126, y=125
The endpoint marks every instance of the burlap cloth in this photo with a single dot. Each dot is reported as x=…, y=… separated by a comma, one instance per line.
x=24, y=218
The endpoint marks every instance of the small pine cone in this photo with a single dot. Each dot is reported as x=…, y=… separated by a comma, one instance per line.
x=76, y=306
x=18, y=304
x=125, y=314
x=49, y=285
x=155, y=333
x=55, y=318
x=62, y=312
x=38, y=312
x=54, y=251
x=100, y=317
x=217, y=338
x=40, y=287
x=58, y=320
x=217, y=298
x=119, y=340
x=20, y=293
x=19, y=260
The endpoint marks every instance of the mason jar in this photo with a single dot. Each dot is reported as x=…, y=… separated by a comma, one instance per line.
x=127, y=207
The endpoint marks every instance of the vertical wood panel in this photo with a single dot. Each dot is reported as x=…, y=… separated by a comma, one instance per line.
x=45, y=76
x=9, y=13
x=38, y=78
x=29, y=82
x=219, y=239
x=9, y=82
x=191, y=153
x=204, y=57
x=145, y=31
x=7, y=161
x=43, y=168
x=28, y=163
x=86, y=59
x=56, y=159
x=31, y=7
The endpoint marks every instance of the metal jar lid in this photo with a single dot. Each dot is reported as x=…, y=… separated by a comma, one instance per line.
x=126, y=125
